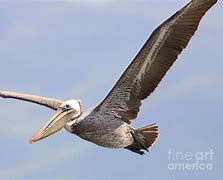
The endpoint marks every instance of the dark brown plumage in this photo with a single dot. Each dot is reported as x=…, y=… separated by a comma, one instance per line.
x=180, y=27
x=108, y=124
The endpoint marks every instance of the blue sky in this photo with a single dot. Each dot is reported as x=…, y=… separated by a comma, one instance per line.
x=78, y=49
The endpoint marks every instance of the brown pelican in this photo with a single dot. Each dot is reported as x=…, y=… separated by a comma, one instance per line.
x=108, y=124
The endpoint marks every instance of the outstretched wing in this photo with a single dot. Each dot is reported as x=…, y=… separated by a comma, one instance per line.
x=154, y=59
x=44, y=101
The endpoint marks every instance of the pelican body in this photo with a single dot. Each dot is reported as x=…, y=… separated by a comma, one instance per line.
x=108, y=131
x=109, y=123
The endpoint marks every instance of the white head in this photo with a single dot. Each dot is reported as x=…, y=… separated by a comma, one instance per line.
x=67, y=111
x=73, y=106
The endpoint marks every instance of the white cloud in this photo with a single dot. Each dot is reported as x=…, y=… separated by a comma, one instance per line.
x=43, y=162
x=203, y=83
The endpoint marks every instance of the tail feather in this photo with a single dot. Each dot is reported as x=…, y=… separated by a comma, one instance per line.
x=144, y=138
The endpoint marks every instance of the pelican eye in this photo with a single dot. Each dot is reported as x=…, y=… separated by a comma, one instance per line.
x=67, y=106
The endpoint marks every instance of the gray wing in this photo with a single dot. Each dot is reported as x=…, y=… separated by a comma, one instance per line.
x=154, y=59
x=44, y=101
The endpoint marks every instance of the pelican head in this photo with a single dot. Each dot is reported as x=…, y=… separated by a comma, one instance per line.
x=67, y=111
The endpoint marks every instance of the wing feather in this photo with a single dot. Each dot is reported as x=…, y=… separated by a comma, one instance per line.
x=44, y=101
x=152, y=62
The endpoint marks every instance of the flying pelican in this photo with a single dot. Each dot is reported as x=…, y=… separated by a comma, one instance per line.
x=108, y=124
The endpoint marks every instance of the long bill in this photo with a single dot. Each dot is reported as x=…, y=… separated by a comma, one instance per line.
x=54, y=124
